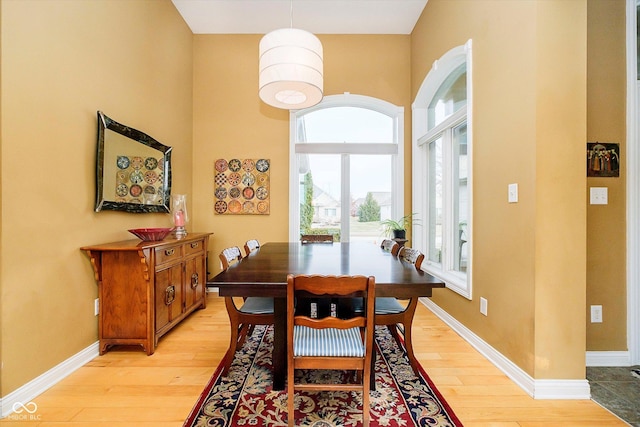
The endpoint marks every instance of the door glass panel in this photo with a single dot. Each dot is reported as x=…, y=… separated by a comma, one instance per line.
x=320, y=194
x=460, y=195
x=370, y=200
x=436, y=202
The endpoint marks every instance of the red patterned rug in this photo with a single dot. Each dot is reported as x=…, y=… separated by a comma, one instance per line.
x=245, y=397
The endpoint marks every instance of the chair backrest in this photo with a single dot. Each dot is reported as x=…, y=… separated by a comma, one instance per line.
x=330, y=342
x=230, y=256
x=412, y=256
x=334, y=288
x=316, y=238
x=390, y=246
x=251, y=246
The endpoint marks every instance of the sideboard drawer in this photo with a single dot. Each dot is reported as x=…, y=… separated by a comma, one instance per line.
x=195, y=247
x=167, y=254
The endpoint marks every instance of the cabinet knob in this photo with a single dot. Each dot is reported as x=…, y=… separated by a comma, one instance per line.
x=169, y=252
x=195, y=245
x=169, y=294
x=194, y=280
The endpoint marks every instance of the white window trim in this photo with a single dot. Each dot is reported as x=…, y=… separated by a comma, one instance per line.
x=420, y=136
x=633, y=189
x=397, y=150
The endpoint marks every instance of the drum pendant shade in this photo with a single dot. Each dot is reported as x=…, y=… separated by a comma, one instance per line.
x=290, y=69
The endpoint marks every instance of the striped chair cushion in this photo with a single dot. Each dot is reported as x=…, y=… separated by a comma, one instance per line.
x=257, y=305
x=327, y=342
x=388, y=305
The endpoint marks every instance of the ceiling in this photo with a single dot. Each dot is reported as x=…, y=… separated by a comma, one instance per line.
x=316, y=16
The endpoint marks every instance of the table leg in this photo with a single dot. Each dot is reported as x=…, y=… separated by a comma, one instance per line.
x=279, y=355
x=372, y=382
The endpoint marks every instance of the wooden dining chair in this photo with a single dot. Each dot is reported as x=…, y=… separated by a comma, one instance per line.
x=316, y=238
x=230, y=256
x=253, y=311
x=390, y=311
x=412, y=256
x=330, y=342
x=250, y=246
x=390, y=246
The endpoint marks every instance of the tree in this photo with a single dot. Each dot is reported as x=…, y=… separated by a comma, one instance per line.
x=369, y=210
x=306, y=208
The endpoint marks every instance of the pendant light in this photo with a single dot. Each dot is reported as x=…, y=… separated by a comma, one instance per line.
x=291, y=68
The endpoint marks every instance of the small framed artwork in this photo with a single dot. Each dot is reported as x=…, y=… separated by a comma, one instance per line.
x=241, y=186
x=603, y=159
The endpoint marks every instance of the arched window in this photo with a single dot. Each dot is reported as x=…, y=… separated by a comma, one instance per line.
x=346, y=156
x=442, y=168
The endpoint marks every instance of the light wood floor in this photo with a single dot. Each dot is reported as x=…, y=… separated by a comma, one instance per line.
x=127, y=388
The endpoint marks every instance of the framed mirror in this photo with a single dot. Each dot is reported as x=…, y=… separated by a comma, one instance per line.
x=133, y=170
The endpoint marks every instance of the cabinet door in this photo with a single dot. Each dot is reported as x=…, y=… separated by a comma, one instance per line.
x=169, y=295
x=195, y=278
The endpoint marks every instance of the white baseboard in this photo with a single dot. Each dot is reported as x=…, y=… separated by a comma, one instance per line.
x=608, y=358
x=25, y=394
x=538, y=389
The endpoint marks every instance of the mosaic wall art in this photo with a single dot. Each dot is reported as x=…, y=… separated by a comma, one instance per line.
x=242, y=187
x=139, y=180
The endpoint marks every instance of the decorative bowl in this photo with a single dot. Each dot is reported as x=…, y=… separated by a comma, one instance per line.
x=151, y=234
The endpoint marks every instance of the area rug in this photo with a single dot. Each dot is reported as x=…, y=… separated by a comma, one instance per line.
x=245, y=396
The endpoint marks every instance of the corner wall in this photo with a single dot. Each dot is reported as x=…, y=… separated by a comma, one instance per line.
x=231, y=121
x=606, y=224
x=61, y=62
x=528, y=258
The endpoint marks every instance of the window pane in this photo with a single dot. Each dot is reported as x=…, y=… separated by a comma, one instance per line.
x=435, y=201
x=351, y=152
x=450, y=97
x=320, y=194
x=370, y=196
x=346, y=124
x=460, y=197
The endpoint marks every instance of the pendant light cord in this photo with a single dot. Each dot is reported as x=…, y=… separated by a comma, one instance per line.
x=291, y=13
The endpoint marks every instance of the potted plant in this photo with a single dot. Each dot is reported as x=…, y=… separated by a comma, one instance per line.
x=397, y=228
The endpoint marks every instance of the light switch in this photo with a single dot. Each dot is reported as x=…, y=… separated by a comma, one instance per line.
x=513, y=193
x=598, y=195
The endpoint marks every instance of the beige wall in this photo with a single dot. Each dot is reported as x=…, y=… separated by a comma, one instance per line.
x=606, y=225
x=61, y=62
x=231, y=121
x=528, y=258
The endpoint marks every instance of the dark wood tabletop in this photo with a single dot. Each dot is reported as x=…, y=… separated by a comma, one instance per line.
x=264, y=273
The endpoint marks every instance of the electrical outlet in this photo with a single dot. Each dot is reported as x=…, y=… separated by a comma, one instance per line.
x=96, y=306
x=483, y=306
x=596, y=314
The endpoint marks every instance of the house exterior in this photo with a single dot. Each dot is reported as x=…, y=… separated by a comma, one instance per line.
x=383, y=198
x=325, y=207
x=549, y=76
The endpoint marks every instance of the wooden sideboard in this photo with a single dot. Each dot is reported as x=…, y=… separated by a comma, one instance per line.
x=147, y=288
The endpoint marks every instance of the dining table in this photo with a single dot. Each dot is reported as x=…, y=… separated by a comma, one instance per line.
x=263, y=273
